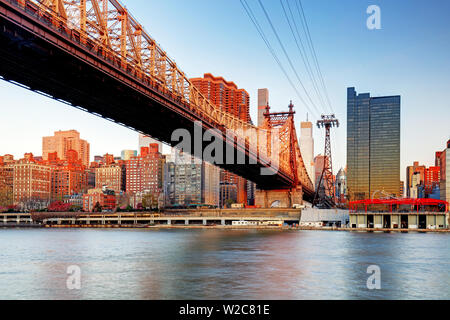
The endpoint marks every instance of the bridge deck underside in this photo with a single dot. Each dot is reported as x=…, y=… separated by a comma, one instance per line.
x=45, y=60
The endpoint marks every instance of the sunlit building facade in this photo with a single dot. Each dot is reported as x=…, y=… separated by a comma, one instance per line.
x=228, y=97
x=64, y=141
x=373, y=145
x=263, y=102
x=110, y=177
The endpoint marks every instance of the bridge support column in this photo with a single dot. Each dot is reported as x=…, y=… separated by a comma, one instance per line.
x=286, y=198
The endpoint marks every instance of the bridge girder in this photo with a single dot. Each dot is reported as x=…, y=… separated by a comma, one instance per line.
x=95, y=56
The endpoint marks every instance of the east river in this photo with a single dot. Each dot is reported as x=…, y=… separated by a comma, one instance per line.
x=222, y=264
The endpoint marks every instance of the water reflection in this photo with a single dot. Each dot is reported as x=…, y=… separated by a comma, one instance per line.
x=222, y=264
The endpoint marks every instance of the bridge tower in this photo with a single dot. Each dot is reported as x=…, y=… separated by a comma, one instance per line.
x=325, y=193
x=284, y=123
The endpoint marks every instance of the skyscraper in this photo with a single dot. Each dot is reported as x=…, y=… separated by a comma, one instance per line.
x=64, y=141
x=373, y=145
x=263, y=102
x=226, y=95
x=144, y=173
x=307, y=147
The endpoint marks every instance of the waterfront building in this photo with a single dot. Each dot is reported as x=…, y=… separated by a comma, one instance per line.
x=228, y=97
x=419, y=214
x=228, y=194
x=306, y=142
x=373, y=145
x=62, y=142
x=145, y=173
x=31, y=184
x=443, y=161
x=75, y=200
x=192, y=182
x=105, y=198
x=263, y=103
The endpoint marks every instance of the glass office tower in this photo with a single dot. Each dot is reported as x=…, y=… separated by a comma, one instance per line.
x=373, y=146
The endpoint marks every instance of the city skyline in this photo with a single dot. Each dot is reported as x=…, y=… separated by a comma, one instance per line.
x=294, y=124
x=416, y=73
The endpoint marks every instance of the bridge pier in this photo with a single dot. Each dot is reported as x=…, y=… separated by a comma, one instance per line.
x=286, y=198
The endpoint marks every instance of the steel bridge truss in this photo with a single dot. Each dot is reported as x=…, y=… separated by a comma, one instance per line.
x=108, y=28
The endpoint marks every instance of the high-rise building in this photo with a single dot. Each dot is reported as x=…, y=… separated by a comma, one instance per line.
x=373, y=145
x=32, y=184
x=145, y=173
x=306, y=142
x=226, y=96
x=64, y=141
x=263, y=102
x=443, y=160
x=191, y=182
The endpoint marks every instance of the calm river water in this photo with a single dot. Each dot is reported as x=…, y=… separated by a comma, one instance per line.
x=222, y=264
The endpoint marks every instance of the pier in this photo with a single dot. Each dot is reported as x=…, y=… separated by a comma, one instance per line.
x=183, y=217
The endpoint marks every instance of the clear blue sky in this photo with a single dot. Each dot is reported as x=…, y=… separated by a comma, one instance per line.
x=409, y=56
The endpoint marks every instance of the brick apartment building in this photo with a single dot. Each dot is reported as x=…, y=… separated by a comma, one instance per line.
x=229, y=98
